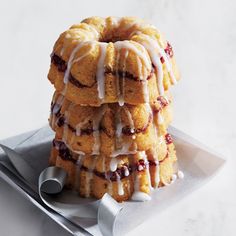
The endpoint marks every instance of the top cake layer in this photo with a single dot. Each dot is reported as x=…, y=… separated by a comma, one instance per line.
x=108, y=60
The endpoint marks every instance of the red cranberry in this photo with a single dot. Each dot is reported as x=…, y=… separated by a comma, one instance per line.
x=162, y=60
x=169, y=50
x=163, y=102
x=61, y=121
x=60, y=64
x=169, y=139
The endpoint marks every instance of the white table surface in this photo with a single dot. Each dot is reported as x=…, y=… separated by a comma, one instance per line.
x=203, y=34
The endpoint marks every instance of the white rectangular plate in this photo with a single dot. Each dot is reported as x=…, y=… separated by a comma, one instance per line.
x=198, y=163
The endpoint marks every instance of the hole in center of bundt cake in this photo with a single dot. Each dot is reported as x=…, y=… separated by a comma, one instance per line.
x=114, y=35
x=109, y=39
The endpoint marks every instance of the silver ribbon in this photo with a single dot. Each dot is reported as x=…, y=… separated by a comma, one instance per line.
x=50, y=188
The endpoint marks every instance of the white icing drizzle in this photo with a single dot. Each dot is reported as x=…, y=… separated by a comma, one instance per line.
x=173, y=178
x=121, y=147
x=144, y=80
x=155, y=127
x=79, y=163
x=135, y=32
x=113, y=164
x=79, y=126
x=150, y=111
x=103, y=163
x=56, y=108
x=157, y=174
x=117, y=75
x=119, y=185
x=80, y=36
x=152, y=46
x=145, y=90
x=130, y=118
x=62, y=51
x=89, y=177
x=137, y=194
x=70, y=61
x=110, y=188
x=69, y=147
x=71, y=58
x=156, y=60
x=123, y=151
x=96, y=132
x=142, y=72
x=140, y=168
x=161, y=139
x=140, y=68
x=144, y=156
x=157, y=168
x=65, y=128
x=119, y=127
x=100, y=76
x=180, y=174
x=94, y=30
x=122, y=92
x=92, y=46
x=160, y=118
x=57, y=104
x=140, y=196
x=126, y=171
x=129, y=46
x=167, y=100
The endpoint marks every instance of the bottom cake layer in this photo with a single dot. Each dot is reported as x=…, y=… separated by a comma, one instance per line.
x=124, y=177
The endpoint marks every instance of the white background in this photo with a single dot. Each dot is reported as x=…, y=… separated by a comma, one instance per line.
x=203, y=34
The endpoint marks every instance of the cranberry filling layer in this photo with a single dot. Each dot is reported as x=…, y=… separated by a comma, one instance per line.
x=61, y=66
x=127, y=75
x=77, y=84
x=128, y=131
x=120, y=173
x=58, y=62
x=63, y=150
x=125, y=130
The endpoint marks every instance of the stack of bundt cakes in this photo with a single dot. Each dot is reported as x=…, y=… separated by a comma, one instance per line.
x=112, y=107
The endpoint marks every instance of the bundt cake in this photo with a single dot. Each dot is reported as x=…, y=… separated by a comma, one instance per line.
x=112, y=108
x=110, y=129
x=107, y=60
x=123, y=177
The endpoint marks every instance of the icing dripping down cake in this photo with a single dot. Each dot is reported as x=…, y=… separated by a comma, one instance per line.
x=112, y=108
